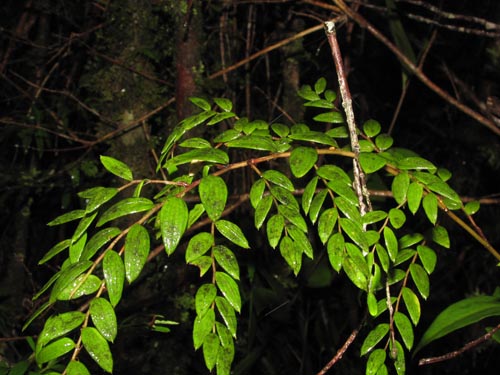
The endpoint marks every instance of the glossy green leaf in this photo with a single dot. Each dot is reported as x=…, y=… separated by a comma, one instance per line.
x=471, y=208
x=404, y=255
x=384, y=141
x=117, y=167
x=56, y=249
x=274, y=229
x=348, y=209
x=320, y=85
x=227, y=136
x=198, y=245
x=83, y=285
x=420, y=278
x=213, y=195
x=301, y=240
x=320, y=103
x=372, y=217
x=326, y=222
x=232, y=232
x=204, y=263
x=280, y=129
x=136, y=251
x=438, y=186
x=397, y=218
x=202, y=326
x=59, y=325
x=254, y=142
x=333, y=173
x=374, y=337
x=224, y=335
x=195, y=143
x=458, y=315
x=98, y=240
x=400, y=186
x=82, y=227
x=76, y=248
x=344, y=191
x=375, y=361
x=440, y=236
x=211, y=347
x=355, y=233
x=316, y=205
x=284, y=196
x=291, y=253
x=335, y=248
x=366, y=146
x=76, y=368
x=204, y=298
x=302, y=159
x=225, y=358
x=293, y=216
x=416, y=163
x=409, y=240
x=395, y=275
x=104, y=318
x=55, y=350
x=412, y=304
x=225, y=104
x=227, y=260
x=228, y=314
x=383, y=257
x=200, y=103
x=371, y=162
x=256, y=192
x=372, y=128
x=126, y=206
x=262, y=210
x=114, y=274
x=173, y=217
x=279, y=179
x=405, y=328
x=338, y=132
x=430, y=204
x=68, y=276
x=98, y=348
x=195, y=213
x=229, y=289
x=428, y=258
x=208, y=155
x=355, y=273
x=95, y=197
x=371, y=303
x=391, y=243
x=415, y=193
x=307, y=93
x=399, y=359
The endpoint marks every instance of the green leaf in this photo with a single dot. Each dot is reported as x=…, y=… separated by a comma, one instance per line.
x=173, y=219
x=228, y=314
x=427, y=257
x=211, y=347
x=61, y=246
x=227, y=136
x=126, y=206
x=104, y=318
x=405, y=328
x=97, y=196
x=229, y=289
x=284, y=196
x=374, y=337
x=114, y=274
x=399, y=361
x=83, y=285
x=471, y=208
x=225, y=104
x=195, y=143
x=198, y=245
x=420, y=279
x=227, y=260
x=308, y=194
x=343, y=190
x=415, y=193
x=55, y=350
x=374, y=217
x=293, y=216
x=320, y=103
x=404, y=255
x=274, y=229
x=397, y=218
x=333, y=117
x=305, y=92
x=391, y=243
x=409, y=240
x=412, y=304
x=232, y=232
x=117, y=167
x=68, y=276
x=327, y=221
x=254, y=142
x=59, y=325
x=76, y=368
x=279, y=179
x=437, y=185
x=136, y=251
x=224, y=335
x=205, y=296
x=200, y=103
x=440, y=236
x=371, y=128
x=430, y=204
x=320, y=85
x=203, y=263
x=458, y=315
x=355, y=233
x=67, y=217
x=375, y=361
x=338, y=132
x=208, y=155
x=202, y=326
x=349, y=209
x=256, y=192
x=335, y=248
x=384, y=141
x=302, y=159
x=195, y=214
x=262, y=210
x=98, y=348
x=291, y=253
x=301, y=240
x=371, y=302
x=316, y=205
x=82, y=227
x=98, y=240
x=382, y=256
x=76, y=249
x=416, y=163
x=371, y=162
x=225, y=358
x=213, y=195
x=334, y=173
x=400, y=186
x=280, y=129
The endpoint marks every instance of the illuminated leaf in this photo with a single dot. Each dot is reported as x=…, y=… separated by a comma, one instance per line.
x=117, y=167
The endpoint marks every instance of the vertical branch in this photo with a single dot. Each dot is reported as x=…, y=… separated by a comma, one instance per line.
x=359, y=183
